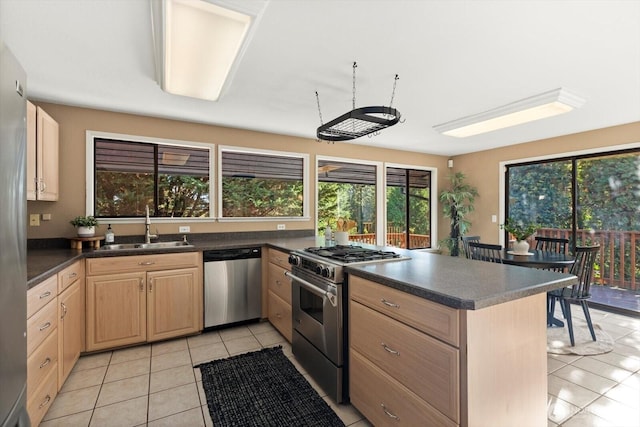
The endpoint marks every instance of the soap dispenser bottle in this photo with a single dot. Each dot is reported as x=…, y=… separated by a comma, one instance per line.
x=109, y=237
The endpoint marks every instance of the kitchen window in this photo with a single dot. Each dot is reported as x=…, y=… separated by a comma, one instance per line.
x=129, y=173
x=408, y=208
x=347, y=198
x=262, y=184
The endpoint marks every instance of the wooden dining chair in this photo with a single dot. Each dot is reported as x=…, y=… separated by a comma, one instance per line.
x=485, y=252
x=579, y=293
x=552, y=244
x=465, y=244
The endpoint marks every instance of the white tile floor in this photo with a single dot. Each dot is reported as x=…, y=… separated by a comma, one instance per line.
x=156, y=385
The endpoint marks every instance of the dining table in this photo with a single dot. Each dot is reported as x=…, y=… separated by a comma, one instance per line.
x=545, y=260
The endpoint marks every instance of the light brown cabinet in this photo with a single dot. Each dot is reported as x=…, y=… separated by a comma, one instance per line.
x=279, y=293
x=416, y=362
x=42, y=155
x=154, y=297
x=71, y=312
x=42, y=348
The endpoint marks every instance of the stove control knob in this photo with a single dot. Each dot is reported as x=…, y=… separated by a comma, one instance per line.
x=327, y=272
x=319, y=269
x=294, y=260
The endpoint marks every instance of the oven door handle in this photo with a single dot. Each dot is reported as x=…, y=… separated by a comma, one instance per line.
x=314, y=289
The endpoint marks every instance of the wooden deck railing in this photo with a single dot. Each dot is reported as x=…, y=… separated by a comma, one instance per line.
x=617, y=262
x=398, y=240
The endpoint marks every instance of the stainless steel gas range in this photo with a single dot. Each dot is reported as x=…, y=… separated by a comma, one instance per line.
x=319, y=306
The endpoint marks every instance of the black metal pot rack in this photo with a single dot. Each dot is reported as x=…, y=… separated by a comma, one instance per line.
x=359, y=121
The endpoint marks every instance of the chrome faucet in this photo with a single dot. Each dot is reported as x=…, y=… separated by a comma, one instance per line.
x=147, y=225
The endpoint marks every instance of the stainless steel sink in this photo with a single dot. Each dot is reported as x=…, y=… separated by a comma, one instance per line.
x=156, y=245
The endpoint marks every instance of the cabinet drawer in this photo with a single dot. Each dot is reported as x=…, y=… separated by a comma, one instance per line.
x=434, y=319
x=401, y=351
x=41, y=325
x=40, y=295
x=279, y=258
x=69, y=275
x=41, y=400
x=380, y=398
x=125, y=264
x=279, y=284
x=42, y=361
x=280, y=315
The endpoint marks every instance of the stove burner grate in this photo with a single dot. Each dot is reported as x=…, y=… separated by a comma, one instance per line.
x=350, y=254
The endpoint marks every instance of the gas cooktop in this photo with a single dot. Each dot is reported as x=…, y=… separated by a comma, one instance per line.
x=350, y=254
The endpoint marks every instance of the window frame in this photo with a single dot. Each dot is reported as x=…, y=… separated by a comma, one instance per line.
x=380, y=199
x=305, y=183
x=435, y=206
x=503, y=168
x=91, y=135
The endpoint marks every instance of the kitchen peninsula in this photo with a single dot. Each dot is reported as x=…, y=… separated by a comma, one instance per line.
x=466, y=340
x=449, y=341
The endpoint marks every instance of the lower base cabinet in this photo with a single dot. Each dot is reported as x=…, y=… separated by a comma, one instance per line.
x=151, y=302
x=415, y=362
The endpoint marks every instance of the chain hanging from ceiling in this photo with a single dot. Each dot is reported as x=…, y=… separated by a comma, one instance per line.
x=359, y=121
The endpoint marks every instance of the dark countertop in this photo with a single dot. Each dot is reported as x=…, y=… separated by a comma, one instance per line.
x=461, y=283
x=43, y=263
x=452, y=281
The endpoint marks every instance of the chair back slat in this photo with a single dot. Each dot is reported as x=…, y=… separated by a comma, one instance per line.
x=485, y=252
x=465, y=244
x=552, y=244
x=583, y=268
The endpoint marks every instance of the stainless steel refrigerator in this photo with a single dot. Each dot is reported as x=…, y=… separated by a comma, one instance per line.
x=13, y=242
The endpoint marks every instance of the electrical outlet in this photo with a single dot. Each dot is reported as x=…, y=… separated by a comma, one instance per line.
x=34, y=220
x=494, y=218
x=184, y=229
x=46, y=217
x=281, y=227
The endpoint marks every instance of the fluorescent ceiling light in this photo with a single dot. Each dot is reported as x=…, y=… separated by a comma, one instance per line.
x=198, y=43
x=548, y=104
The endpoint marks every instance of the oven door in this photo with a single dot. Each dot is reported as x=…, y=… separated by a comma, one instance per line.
x=317, y=313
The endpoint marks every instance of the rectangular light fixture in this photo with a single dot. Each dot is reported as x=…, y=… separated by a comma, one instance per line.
x=198, y=43
x=548, y=104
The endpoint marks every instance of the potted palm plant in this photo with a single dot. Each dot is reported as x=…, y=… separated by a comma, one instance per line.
x=85, y=225
x=457, y=203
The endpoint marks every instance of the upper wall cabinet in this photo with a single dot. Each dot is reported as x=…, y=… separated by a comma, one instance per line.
x=42, y=155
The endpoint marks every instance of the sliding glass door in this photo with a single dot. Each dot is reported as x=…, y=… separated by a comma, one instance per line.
x=590, y=199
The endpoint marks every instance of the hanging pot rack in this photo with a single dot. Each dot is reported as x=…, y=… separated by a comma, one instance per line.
x=359, y=121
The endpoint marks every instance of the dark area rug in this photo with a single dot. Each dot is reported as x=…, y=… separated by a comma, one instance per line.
x=262, y=388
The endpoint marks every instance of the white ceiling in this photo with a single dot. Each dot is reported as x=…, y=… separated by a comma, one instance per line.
x=454, y=58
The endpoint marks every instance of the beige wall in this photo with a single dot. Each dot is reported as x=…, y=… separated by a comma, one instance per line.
x=483, y=168
x=74, y=122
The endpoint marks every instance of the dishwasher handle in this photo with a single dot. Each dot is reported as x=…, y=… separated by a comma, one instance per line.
x=231, y=254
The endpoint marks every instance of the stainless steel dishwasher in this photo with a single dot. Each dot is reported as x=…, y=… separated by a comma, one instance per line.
x=232, y=286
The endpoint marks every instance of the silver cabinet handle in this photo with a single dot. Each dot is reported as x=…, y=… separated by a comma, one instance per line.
x=45, y=326
x=45, y=402
x=45, y=363
x=72, y=275
x=389, y=304
x=45, y=295
x=64, y=310
x=389, y=349
x=141, y=285
x=150, y=285
x=147, y=263
x=389, y=414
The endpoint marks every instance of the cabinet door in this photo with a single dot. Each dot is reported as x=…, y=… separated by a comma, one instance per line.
x=70, y=327
x=47, y=136
x=31, y=152
x=116, y=310
x=174, y=303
